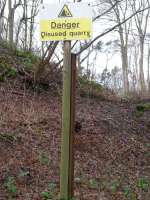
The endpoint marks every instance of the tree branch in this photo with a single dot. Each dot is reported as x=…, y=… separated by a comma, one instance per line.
x=109, y=30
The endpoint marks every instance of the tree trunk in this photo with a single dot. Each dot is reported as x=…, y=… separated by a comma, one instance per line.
x=124, y=59
x=148, y=71
x=40, y=67
x=2, y=9
x=26, y=25
x=125, y=72
x=1, y=28
x=18, y=31
x=11, y=23
x=79, y=66
x=31, y=33
x=141, y=71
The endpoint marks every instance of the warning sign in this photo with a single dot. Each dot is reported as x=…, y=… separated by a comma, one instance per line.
x=71, y=21
x=60, y=29
x=65, y=12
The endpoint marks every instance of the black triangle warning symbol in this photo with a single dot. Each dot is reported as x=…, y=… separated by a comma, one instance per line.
x=65, y=12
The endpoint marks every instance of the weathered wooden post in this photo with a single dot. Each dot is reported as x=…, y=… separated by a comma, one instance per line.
x=66, y=121
x=72, y=124
x=66, y=22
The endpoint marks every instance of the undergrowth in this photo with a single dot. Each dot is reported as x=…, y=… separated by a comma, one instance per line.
x=27, y=58
x=92, y=89
x=141, y=108
x=27, y=62
x=6, y=69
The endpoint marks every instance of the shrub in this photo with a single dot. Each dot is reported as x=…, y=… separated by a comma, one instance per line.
x=6, y=70
x=10, y=185
x=143, y=107
x=89, y=89
x=143, y=183
x=27, y=55
x=45, y=195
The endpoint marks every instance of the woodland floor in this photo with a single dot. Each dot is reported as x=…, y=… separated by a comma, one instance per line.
x=112, y=149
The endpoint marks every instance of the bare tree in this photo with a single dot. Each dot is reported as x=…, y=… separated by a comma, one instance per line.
x=34, y=12
x=26, y=24
x=148, y=69
x=116, y=79
x=25, y=11
x=119, y=13
x=2, y=8
x=141, y=21
x=11, y=9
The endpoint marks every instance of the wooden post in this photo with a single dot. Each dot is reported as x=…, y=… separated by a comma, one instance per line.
x=72, y=125
x=66, y=111
x=66, y=165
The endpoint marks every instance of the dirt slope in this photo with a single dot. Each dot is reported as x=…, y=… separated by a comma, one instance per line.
x=112, y=149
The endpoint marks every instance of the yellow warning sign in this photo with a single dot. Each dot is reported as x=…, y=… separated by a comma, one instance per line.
x=65, y=12
x=62, y=29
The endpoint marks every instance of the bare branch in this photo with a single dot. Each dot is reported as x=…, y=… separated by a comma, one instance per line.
x=111, y=29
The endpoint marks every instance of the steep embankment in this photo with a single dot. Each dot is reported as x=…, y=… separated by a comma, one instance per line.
x=112, y=149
